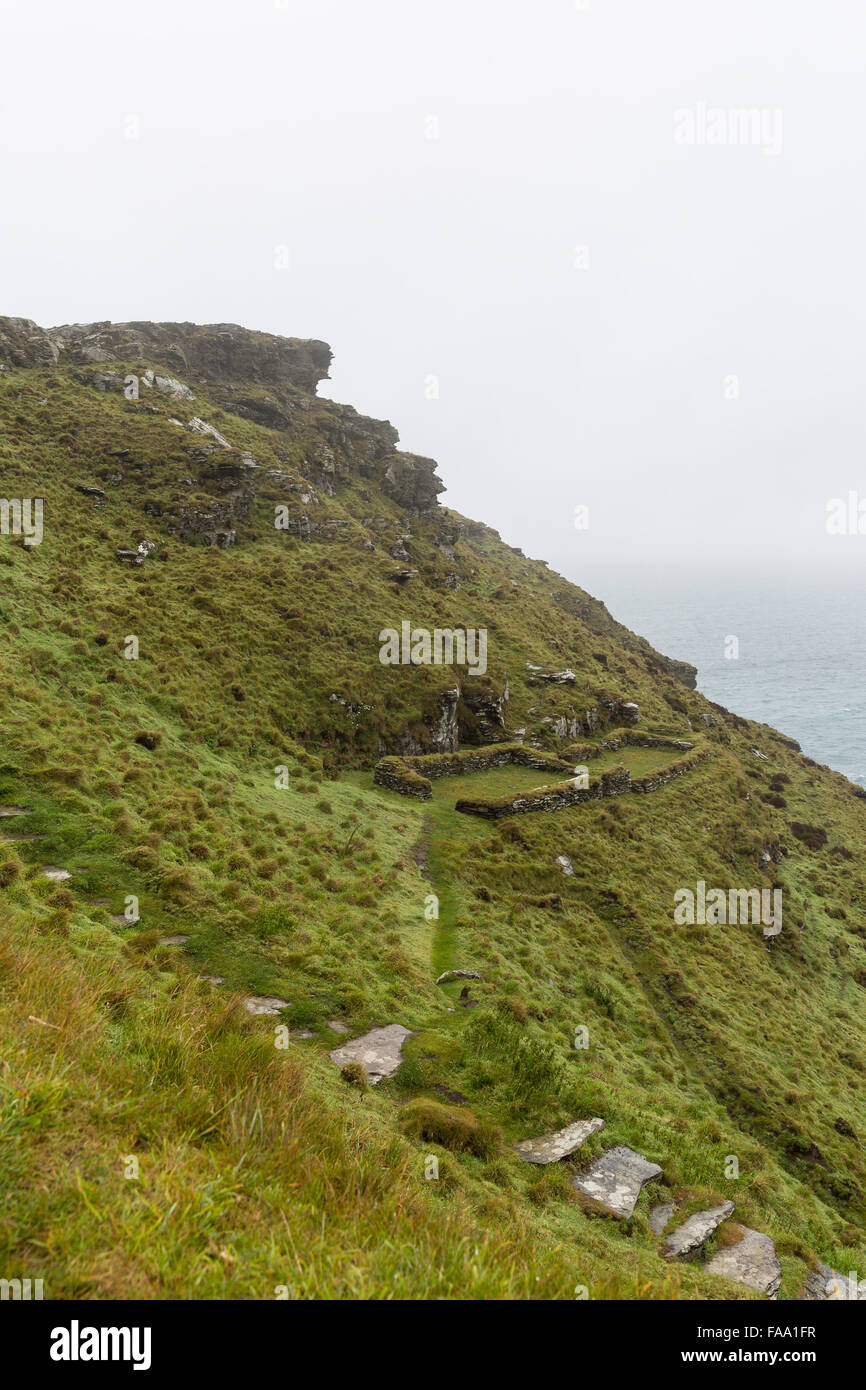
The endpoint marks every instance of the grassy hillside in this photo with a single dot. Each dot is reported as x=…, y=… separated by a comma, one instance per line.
x=159, y=778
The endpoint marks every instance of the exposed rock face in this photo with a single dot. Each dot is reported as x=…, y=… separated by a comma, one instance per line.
x=379, y=1052
x=694, y=1233
x=752, y=1261
x=487, y=711
x=24, y=344
x=566, y=865
x=221, y=351
x=412, y=482
x=550, y=1148
x=443, y=735
x=616, y=1179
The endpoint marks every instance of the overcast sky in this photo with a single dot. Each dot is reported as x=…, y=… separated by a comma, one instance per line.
x=515, y=223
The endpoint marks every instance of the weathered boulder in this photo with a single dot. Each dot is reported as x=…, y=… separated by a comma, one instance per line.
x=550, y=1148
x=379, y=1052
x=694, y=1233
x=566, y=865
x=616, y=1179
x=751, y=1261
x=448, y=975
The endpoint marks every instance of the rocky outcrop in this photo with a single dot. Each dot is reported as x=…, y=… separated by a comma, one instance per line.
x=24, y=344
x=412, y=482
x=224, y=352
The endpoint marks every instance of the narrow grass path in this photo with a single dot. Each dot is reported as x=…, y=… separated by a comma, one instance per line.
x=444, y=944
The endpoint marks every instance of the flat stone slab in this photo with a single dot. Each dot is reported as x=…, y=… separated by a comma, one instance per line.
x=616, y=1179
x=550, y=1148
x=177, y=940
x=56, y=875
x=659, y=1216
x=337, y=1027
x=752, y=1261
x=457, y=975
x=265, y=1004
x=695, y=1231
x=14, y=811
x=379, y=1052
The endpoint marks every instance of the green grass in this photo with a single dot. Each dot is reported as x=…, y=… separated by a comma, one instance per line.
x=259, y=1167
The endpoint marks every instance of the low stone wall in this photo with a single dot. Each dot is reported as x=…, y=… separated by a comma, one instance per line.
x=626, y=738
x=654, y=780
x=410, y=776
x=614, y=782
x=394, y=774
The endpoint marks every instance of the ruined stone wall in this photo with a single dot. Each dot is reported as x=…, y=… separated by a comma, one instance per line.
x=405, y=775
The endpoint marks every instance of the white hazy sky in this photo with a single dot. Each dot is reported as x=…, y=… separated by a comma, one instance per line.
x=432, y=169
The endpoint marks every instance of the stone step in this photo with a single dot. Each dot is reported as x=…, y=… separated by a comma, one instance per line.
x=695, y=1231
x=379, y=1052
x=616, y=1179
x=550, y=1148
x=752, y=1261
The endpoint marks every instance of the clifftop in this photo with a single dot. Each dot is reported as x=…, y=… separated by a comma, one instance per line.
x=220, y=351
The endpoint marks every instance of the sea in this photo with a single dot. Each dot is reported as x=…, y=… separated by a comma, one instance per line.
x=798, y=661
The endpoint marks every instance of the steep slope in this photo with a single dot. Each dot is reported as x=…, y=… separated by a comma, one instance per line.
x=194, y=702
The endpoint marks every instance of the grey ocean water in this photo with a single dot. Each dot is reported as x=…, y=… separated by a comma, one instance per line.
x=802, y=646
